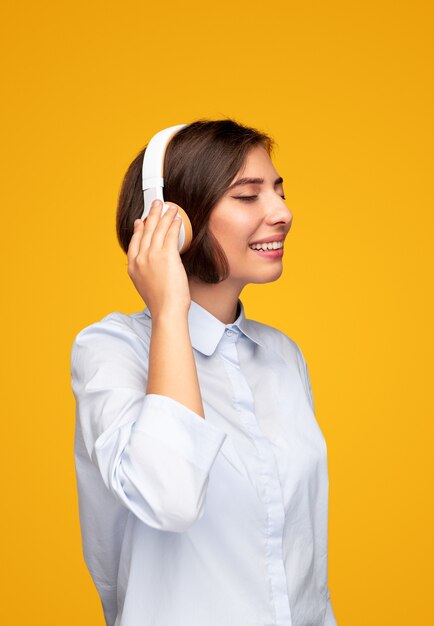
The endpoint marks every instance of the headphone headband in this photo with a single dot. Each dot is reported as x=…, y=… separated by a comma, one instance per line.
x=152, y=168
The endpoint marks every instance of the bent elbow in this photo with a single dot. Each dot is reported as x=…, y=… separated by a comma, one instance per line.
x=175, y=510
x=176, y=523
x=163, y=497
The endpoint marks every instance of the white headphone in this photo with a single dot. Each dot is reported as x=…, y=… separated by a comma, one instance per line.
x=153, y=181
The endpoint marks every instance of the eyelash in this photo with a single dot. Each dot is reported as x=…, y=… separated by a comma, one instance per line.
x=250, y=198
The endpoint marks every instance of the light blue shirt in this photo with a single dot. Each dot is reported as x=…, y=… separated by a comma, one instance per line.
x=188, y=521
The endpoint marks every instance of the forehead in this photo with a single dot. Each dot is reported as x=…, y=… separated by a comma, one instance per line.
x=257, y=170
x=258, y=163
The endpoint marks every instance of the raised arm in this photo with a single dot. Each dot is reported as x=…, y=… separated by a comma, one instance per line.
x=154, y=449
x=156, y=269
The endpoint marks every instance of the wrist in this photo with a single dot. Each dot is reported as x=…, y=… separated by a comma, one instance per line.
x=170, y=319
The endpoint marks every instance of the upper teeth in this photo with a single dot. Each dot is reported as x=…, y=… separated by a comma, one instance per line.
x=267, y=246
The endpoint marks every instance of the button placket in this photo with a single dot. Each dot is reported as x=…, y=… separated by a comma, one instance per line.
x=267, y=476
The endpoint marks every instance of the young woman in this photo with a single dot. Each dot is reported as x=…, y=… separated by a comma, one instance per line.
x=201, y=468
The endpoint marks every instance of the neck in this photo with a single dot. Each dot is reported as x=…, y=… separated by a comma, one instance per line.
x=219, y=299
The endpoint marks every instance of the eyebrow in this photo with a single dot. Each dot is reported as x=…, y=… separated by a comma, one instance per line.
x=253, y=181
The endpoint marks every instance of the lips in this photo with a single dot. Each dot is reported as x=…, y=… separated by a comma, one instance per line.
x=269, y=239
x=271, y=254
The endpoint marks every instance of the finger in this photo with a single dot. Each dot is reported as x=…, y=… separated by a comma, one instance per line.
x=134, y=245
x=156, y=239
x=172, y=236
x=143, y=229
x=151, y=221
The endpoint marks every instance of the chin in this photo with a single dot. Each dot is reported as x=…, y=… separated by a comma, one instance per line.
x=268, y=277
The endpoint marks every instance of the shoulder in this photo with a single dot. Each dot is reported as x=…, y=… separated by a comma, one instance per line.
x=276, y=340
x=288, y=349
x=114, y=335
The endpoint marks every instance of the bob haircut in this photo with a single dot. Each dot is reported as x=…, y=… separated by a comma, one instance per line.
x=201, y=161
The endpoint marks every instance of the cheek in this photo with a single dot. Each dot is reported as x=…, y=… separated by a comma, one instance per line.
x=231, y=231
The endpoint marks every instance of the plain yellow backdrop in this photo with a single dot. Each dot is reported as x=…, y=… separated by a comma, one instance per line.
x=346, y=90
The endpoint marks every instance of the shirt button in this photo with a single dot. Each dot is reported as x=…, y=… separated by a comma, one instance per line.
x=229, y=332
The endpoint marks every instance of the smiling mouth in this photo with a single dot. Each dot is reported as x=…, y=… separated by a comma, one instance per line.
x=271, y=254
x=279, y=246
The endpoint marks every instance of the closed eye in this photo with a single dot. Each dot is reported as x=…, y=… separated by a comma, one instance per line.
x=250, y=198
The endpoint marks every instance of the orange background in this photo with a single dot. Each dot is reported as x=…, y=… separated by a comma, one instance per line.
x=346, y=90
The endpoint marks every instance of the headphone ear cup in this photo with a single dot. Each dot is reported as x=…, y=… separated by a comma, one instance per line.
x=187, y=229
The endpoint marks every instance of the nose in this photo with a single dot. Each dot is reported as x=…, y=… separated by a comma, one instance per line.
x=281, y=211
x=289, y=215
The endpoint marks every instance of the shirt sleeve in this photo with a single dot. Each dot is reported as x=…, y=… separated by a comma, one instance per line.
x=306, y=377
x=154, y=454
x=330, y=619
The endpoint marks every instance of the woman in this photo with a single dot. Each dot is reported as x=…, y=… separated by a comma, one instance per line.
x=202, y=472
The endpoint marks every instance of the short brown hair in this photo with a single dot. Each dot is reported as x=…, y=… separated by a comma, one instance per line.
x=200, y=163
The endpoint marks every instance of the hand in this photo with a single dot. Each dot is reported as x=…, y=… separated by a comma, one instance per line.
x=154, y=263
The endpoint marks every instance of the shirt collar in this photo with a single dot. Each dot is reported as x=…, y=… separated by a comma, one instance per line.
x=206, y=330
